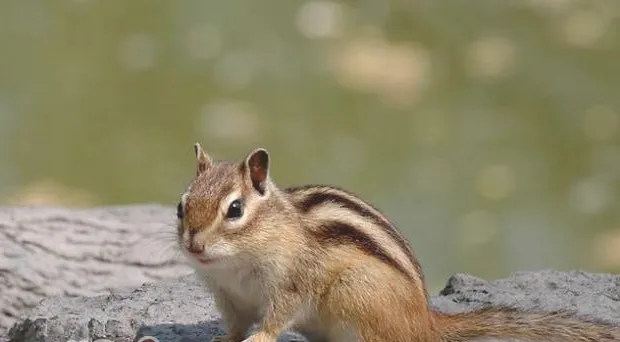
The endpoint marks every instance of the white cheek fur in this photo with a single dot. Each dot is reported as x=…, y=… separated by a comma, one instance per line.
x=222, y=249
x=235, y=224
x=184, y=198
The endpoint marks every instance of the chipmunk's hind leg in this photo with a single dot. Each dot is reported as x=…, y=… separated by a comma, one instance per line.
x=359, y=307
x=311, y=327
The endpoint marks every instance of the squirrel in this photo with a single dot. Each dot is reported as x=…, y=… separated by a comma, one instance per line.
x=323, y=262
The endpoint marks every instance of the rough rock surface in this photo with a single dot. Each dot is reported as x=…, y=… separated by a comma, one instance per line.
x=180, y=310
x=72, y=259
x=47, y=251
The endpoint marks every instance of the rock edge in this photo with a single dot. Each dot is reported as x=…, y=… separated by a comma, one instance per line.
x=180, y=310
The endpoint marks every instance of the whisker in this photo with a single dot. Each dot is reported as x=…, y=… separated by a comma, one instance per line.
x=173, y=250
x=153, y=241
x=162, y=245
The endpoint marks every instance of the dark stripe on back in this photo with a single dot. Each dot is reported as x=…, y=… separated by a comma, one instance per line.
x=319, y=197
x=322, y=193
x=334, y=233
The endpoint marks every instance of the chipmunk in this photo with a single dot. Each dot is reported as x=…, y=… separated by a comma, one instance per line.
x=323, y=262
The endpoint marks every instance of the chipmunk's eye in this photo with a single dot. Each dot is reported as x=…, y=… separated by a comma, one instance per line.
x=235, y=210
x=180, y=211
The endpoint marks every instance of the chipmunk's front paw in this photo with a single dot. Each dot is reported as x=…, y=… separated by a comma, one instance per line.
x=230, y=336
x=261, y=337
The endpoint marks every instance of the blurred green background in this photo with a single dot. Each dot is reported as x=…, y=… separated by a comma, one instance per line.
x=487, y=130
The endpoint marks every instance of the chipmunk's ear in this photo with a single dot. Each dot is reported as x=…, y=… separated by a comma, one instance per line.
x=257, y=167
x=203, y=160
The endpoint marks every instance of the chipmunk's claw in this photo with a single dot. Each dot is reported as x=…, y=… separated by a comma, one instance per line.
x=221, y=338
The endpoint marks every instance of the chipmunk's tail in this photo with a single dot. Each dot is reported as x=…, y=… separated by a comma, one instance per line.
x=508, y=323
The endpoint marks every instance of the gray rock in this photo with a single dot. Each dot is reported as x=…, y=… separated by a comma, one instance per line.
x=181, y=310
x=178, y=310
x=85, y=268
x=588, y=294
x=593, y=296
x=46, y=251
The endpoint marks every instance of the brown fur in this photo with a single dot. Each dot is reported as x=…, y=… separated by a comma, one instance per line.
x=322, y=261
x=530, y=326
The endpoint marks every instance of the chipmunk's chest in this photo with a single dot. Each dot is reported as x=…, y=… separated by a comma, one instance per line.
x=245, y=287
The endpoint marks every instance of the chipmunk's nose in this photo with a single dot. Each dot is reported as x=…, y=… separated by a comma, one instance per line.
x=195, y=248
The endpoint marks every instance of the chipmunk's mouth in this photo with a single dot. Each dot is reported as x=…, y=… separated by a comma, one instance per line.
x=203, y=259
x=208, y=256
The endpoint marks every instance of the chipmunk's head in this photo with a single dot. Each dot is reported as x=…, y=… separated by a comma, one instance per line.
x=217, y=213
